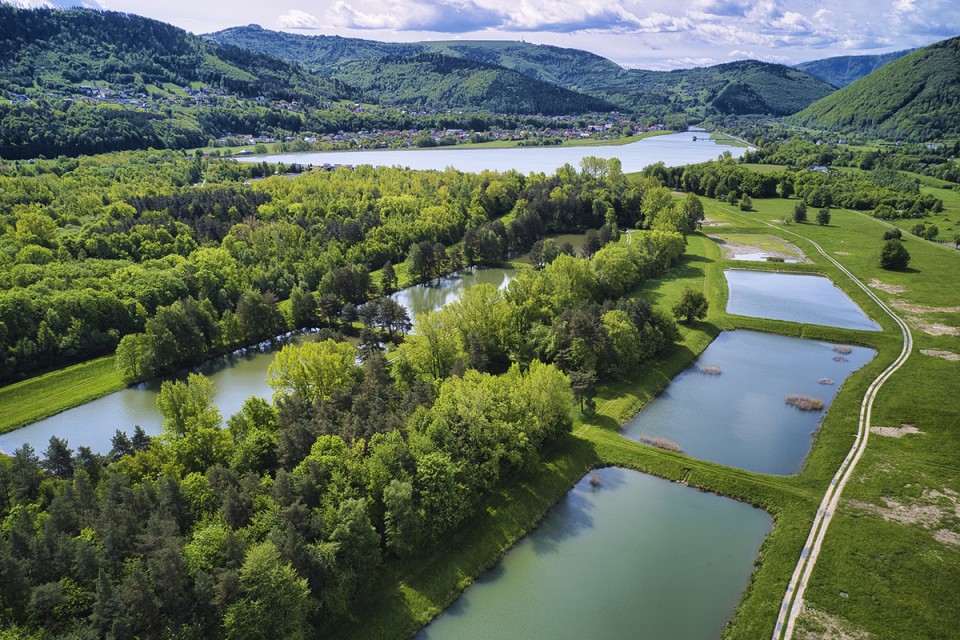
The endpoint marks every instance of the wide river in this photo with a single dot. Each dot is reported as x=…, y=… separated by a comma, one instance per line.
x=673, y=150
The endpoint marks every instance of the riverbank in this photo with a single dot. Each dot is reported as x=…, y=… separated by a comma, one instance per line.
x=34, y=399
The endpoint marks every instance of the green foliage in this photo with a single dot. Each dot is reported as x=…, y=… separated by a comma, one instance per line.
x=692, y=304
x=823, y=216
x=914, y=97
x=800, y=211
x=313, y=370
x=843, y=70
x=740, y=87
x=894, y=256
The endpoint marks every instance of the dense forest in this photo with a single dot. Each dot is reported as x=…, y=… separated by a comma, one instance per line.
x=735, y=88
x=843, y=70
x=916, y=97
x=291, y=508
x=173, y=249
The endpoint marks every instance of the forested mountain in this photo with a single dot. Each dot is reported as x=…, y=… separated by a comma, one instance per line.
x=432, y=80
x=735, y=88
x=843, y=70
x=916, y=98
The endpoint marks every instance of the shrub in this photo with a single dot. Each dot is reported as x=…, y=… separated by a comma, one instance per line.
x=800, y=212
x=892, y=234
x=823, y=217
x=894, y=256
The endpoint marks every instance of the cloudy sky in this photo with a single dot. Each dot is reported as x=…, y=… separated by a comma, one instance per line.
x=651, y=34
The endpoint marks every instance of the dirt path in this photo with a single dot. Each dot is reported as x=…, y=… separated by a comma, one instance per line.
x=792, y=603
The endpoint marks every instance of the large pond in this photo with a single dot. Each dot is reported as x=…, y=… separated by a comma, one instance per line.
x=795, y=297
x=730, y=405
x=236, y=378
x=637, y=556
x=672, y=149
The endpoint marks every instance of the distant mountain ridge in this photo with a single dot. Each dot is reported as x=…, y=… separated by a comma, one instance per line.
x=843, y=70
x=735, y=88
x=916, y=97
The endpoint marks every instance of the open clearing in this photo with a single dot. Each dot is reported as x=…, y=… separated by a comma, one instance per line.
x=748, y=244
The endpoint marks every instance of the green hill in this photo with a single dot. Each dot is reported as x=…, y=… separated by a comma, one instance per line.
x=916, y=97
x=79, y=81
x=843, y=70
x=736, y=88
x=432, y=80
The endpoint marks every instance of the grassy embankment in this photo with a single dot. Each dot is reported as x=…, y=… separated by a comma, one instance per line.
x=424, y=590
x=40, y=397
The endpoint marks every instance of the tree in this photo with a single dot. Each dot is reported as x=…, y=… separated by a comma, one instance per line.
x=584, y=387
x=823, y=216
x=402, y=519
x=692, y=209
x=58, y=457
x=692, y=304
x=746, y=204
x=313, y=370
x=275, y=600
x=388, y=279
x=800, y=211
x=894, y=256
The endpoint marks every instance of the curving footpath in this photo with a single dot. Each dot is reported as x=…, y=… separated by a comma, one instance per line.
x=787, y=617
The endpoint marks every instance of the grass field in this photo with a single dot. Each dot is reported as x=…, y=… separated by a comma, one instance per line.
x=43, y=396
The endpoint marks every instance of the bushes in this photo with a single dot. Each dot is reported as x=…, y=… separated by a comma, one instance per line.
x=894, y=256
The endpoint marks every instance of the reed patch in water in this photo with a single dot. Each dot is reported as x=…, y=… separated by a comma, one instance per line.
x=805, y=403
x=661, y=443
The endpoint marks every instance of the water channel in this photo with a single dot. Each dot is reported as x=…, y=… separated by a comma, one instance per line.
x=672, y=149
x=637, y=556
x=236, y=378
x=795, y=297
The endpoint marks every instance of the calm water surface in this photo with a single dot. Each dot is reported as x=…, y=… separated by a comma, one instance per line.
x=672, y=149
x=637, y=557
x=433, y=295
x=795, y=297
x=236, y=378
x=740, y=417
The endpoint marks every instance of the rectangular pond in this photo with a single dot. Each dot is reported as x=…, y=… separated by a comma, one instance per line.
x=636, y=556
x=795, y=297
x=730, y=405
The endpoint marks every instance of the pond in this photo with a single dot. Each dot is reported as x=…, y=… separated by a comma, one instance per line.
x=437, y=293
x=730, y=405
x=795, y=297
x=636, y=553
x=236, y=378
x=671, y=149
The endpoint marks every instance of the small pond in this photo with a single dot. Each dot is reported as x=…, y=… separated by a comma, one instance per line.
x=437, y=293
x=236, y=378
x=795, y=297
x=637, y=556
x=730, y=405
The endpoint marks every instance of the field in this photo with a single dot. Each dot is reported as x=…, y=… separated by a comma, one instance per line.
x=43, y=396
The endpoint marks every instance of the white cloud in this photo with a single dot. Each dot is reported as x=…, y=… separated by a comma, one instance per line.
x=297, y=19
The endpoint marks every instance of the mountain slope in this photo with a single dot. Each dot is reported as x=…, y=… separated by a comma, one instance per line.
x=843, y=70
x=739, y=87
x=916, y=97
x=431, y=80
x=61, y=51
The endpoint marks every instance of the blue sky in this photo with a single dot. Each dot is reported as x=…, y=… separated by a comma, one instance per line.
x=651, y=34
